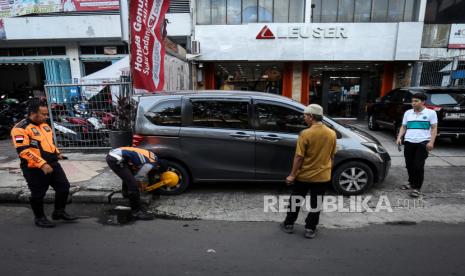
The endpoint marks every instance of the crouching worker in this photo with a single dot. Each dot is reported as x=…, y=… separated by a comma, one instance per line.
x=133, y=165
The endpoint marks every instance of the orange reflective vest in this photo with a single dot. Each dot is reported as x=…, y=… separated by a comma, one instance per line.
x=34, y=144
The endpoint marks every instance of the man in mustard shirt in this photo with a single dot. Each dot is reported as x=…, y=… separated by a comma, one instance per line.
x=311, y=170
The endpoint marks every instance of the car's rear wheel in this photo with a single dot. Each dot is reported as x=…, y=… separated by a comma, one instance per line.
x=183, y=183
x=352, y=178
x=372, y=125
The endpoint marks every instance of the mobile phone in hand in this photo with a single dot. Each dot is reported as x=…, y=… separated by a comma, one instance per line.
x=399, y=147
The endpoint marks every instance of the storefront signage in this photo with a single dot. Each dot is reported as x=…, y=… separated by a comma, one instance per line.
x=457, y=36
x=293, y=32
x=14, y=8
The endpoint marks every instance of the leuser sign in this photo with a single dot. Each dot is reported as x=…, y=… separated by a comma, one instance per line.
x=457, y=36
x=302, y=32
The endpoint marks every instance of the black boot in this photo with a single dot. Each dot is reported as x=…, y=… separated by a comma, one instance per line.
x=37, y=206
x=44, y=222
x=61, y=214
x=137, y=211
x=60, y=204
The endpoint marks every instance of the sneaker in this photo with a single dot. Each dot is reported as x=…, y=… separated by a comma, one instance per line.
x=43, y=222
x=287, y=228
x=309, y=233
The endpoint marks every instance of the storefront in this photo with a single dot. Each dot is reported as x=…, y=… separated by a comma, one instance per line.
x=338, y=65
x=24, y=71
x=249, y=76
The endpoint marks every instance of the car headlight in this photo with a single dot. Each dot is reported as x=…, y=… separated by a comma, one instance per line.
x=375, y=147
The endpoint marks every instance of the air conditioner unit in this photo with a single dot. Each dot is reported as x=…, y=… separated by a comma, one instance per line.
x=195, y=47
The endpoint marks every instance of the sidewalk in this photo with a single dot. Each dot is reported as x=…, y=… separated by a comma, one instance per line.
x=445, y=153
x=90, y=178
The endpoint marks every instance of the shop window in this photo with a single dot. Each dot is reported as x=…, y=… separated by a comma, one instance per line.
x=99, y=50
x=409, y=11
x=203, y=12
x=296, y=11
x=58, y=51
x=445, y=12
x=122, y=49
x=4, y=52
x=281, y=11
x=346, y=11
x=87, y=50
x=218, y=12
x=234, y=11
x=44, y=51
x=92, y=67
x=275, y=118
x=249, y=11
x=396, y=10
x=220, y=114
x=167, y=113
x=30, y=52
x=329, y=10
x=16, y=52
x=362, y=11
x=265, y=10
x=365, y=10
x=380, y=8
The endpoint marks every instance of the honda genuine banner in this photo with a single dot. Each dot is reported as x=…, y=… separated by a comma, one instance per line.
x=147, y=31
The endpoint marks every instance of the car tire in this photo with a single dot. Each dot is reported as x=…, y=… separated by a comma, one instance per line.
x=352, y=178
x=372, y=125
x=184, y=179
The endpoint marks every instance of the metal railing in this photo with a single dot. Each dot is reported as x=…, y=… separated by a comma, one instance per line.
x=83, y=115
x=445, y=72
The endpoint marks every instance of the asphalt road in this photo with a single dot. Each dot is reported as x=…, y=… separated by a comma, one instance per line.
x=181, y=247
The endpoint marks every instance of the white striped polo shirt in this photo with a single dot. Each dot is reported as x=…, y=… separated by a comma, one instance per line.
x=419, y=125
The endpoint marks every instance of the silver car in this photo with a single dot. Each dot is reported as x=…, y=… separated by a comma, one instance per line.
x=218, y=136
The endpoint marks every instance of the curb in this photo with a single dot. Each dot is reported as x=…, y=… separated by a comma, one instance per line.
x=21, y=195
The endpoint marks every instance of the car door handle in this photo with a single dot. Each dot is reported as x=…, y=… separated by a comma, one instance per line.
x=239, y=135
x=271, y=137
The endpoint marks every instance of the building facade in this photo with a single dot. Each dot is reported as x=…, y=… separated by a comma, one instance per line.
x=442, y=56
x=63, y=46
x=338, y=53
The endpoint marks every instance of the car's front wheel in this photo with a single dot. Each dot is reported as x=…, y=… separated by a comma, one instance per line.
x=352, y=178
x=183, y=183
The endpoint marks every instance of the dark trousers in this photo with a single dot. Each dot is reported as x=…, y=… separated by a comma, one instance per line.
x=38, y=184
x=415, y=156
x=301, y=189
x=123, y=171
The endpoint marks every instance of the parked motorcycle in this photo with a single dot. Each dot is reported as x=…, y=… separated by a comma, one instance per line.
x=11, y=112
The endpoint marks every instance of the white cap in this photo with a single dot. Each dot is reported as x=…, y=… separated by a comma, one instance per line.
x=314, y=109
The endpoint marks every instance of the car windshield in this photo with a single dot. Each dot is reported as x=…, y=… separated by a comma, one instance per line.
x=452, y=98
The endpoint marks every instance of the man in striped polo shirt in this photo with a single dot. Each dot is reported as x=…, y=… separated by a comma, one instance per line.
x=420, y=129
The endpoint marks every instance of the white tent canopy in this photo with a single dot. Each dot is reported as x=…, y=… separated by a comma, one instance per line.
x=108, y=74
x=112, y=72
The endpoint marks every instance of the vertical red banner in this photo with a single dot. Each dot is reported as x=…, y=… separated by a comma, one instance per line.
x=146, y=23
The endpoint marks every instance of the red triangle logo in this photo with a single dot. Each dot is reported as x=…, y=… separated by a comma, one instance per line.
x=265, y=33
